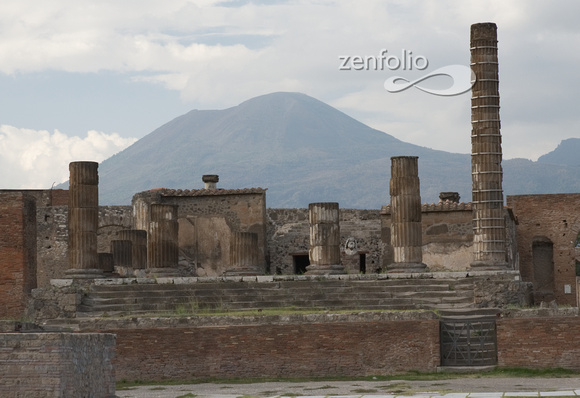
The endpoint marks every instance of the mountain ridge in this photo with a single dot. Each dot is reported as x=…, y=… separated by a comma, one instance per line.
x=302, y=150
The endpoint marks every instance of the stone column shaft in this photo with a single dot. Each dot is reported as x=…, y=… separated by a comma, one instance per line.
x=162, y=246
x=138, y=240
x=83, y=220
x=324, y=251
x=406, y=229
x=244, y=254
x=486, y=152
x=122, y=252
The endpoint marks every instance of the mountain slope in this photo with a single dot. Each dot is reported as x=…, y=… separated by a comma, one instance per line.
x=566, y=154
x=299, y=148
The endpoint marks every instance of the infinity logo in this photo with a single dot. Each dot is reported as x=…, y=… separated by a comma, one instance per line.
x=462, y=76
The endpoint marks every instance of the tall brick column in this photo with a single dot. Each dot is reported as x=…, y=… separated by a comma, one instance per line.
x=162, y=244
x=406, y=231
x=324, y=251
x=138, y=239
x=244, y=254
x=486, y=153
x=83, y=220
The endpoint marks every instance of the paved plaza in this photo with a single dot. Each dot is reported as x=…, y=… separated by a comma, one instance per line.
x=468, y=387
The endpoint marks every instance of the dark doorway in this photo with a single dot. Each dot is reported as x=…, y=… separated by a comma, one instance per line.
x=300, y=261
x=362, y=263
x=543, y=265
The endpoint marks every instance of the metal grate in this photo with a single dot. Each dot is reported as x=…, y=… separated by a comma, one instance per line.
x=468, y=342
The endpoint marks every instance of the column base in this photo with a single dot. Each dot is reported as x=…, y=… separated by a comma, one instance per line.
x=84, y=273
x=315, y=269
x=483, y=265
x=406, y=267
x=162, y=272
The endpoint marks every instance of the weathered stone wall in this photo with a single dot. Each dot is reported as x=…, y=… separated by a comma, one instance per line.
x=112, y=219
x=52, y=242
x=67, y=365
x=288, y=234
x=552, y=219
x=326, y=345
x=17, y=252
x=501, y=291
x=207, y=218
x=539, y=342
x=448, y=236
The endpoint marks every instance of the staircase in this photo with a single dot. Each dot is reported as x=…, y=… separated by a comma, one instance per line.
x=319, y=294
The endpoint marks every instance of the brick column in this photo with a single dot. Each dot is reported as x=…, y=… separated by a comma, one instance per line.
x=324, y=251
x=406, y=231
x=138, y=239
x=162, y=244
x=486, y=153
x=244, y=254
x=83, y=220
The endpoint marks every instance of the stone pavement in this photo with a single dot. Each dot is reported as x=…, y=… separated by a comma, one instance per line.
x=465, y=387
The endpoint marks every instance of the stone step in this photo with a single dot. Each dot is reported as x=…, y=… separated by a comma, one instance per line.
x=321, y=302
x=469, y=314
x=283, y=296
x=311, y=294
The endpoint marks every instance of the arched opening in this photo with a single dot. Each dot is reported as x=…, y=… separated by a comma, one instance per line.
x=543, y=266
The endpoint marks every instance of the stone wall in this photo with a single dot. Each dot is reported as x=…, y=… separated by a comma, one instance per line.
x=288, y=234
x=17, y=252
x=338, y=344
x=539, y=342
x=111, y=220
x=52, y=242
x=66, y=365
x=549, y=223
x=448, y=236
x=207, y=218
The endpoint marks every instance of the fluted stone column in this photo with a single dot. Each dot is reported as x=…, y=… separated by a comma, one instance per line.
x=324, y=251
x=244, y=254
x=83, y=220
x=122, y=252
x=486, y=153
x=106, y=262
x=406, y=231
x=138, y=240
x=162, y=244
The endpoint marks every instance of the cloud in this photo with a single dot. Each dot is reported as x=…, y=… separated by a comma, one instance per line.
x=37, y=158
x=219, y=53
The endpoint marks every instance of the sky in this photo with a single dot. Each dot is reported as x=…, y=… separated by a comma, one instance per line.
x=82, y=80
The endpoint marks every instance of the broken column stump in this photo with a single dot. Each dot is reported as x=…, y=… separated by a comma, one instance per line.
x=244, y=255
x=324, y=251
x=83, y=220
x=406, y=229
x=162, y=245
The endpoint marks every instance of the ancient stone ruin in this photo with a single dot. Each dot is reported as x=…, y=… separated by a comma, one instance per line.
x=486, y=154
x=466, y=273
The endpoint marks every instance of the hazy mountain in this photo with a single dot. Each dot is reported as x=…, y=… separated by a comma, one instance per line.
x=566, y=154
x=303, y=151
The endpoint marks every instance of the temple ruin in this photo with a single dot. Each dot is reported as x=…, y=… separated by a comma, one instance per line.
x=150, y=271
